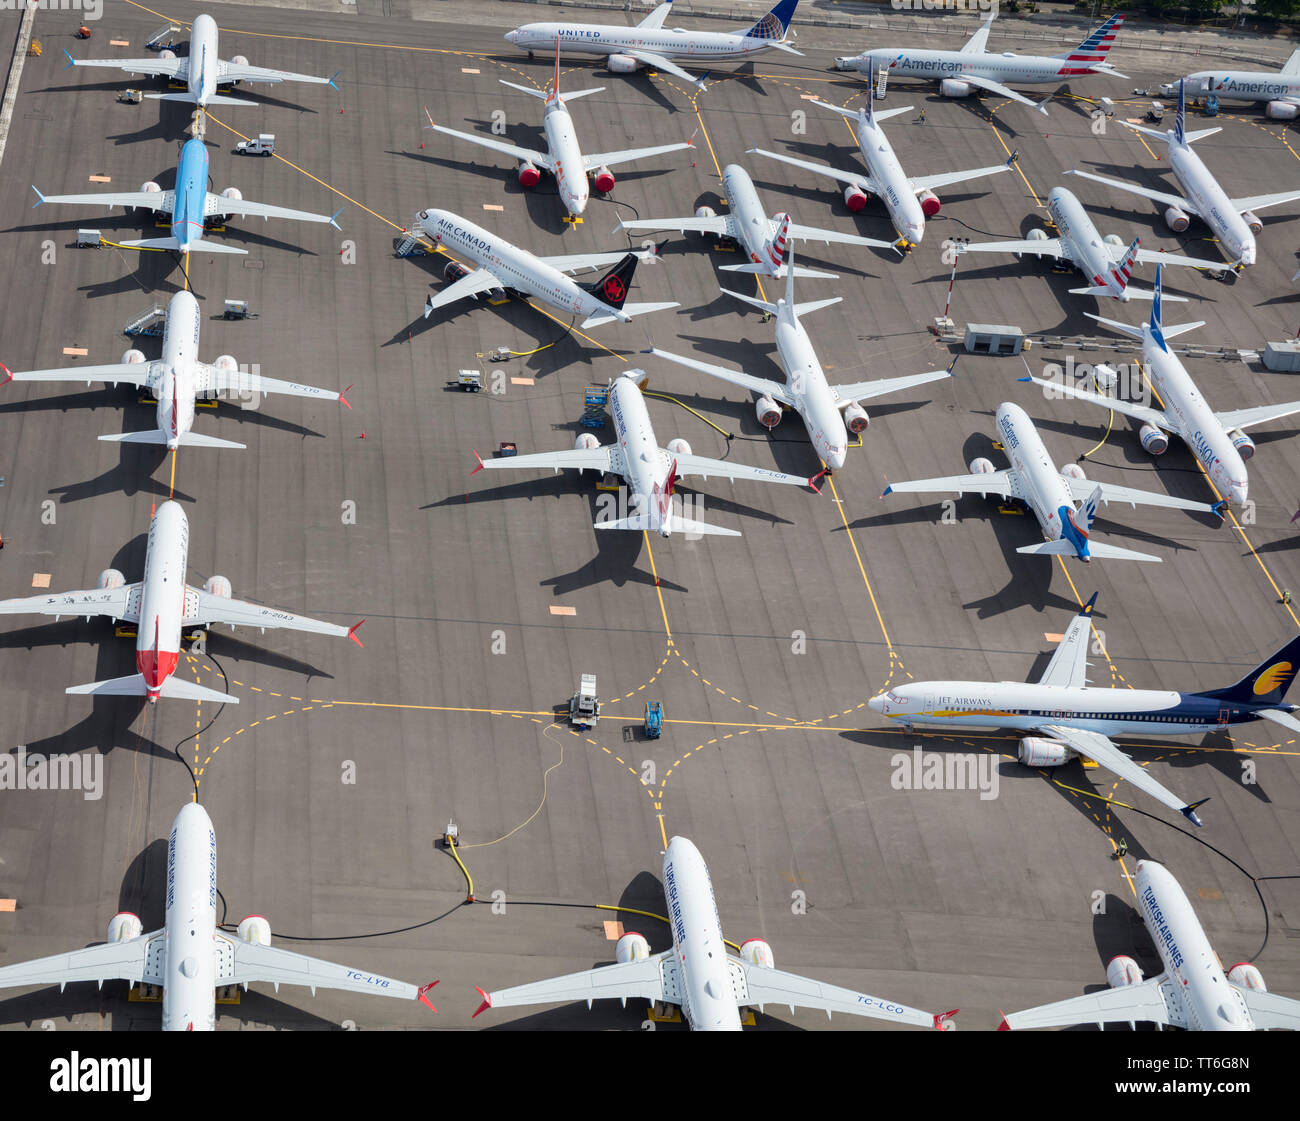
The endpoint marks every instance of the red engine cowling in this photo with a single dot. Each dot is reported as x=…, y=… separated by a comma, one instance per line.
x=622, y=64
x=603, y=180
x=218, y=586
x=529, y=176
x=1154, y=441
x=856, y=418
x=453, y=272
x=758, y=952
x=1176, y=219
x=1247, y=977
x=1035, y=751
x=631, y=947
x=955, y=87
x=1123, y=971
x=768, y=412
x=586, y=441
x=1281, y=110
x=124, y=926
x=110, y=578
x=930, y=203
x=855, y=198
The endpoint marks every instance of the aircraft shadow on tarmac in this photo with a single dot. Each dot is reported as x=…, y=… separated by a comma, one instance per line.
x=133, y=474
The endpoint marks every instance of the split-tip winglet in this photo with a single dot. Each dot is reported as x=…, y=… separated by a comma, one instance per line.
x=1221, y=508
x=336, y=86
x=344, y=395
x=813, y=481
x=71, y=61
x=941, y=1020
x=9, y=376
x=1189, y=812
x=1004, y=1026
x=352, y=634
x=889, y=489
x=425, y=988
x=333, y=218
x=480, y=464
x=487, y=1001
x=40, y=198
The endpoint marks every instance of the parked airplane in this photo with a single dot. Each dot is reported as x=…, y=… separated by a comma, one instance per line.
x=1104, y=260
x=1279, y=88
x=829, y=412
x=762, y=239
x=909, y=201
x=202, y=70
x=499, y=265
x=1049, y=493
x=960, y=73
x=698, y=974
x=190, y=204
x=648, y=45
x=651, y=471
x=563, y=158
x=1217, y=440
x=190, y=957
x=177, y=380
x=164, y=597
x=1232, y=221
x=1191, y=992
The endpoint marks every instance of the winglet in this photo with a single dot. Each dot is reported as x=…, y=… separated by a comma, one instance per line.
x=941, y=1020
x=335, y=84
x=1189, y=812
x=344, y=395
x=335, y=216
x=8, y=376
x=1041, y=107
x=1087, y=607
x=423, y=988
x=889, y=489
x=1025, y=379
x=487, y=1001
x=480, y=466
x=430, y=116
x=40, y=198
x=1004, y=1026
x=1221, y=506
x=71, y=61
x=352, y=634
x=813, y=481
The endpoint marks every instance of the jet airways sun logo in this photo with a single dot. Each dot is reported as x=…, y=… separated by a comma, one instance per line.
x=1274, y=677
x=615, y=289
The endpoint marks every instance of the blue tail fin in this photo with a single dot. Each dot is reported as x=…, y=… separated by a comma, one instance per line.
x=774, y=24
x=1155, y=302
x=1268, y=682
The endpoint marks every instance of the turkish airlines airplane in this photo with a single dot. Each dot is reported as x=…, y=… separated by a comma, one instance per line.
x=177, y=380
x=1191, y=992
x=909, y=201
x=1049, y=493
x=190, y=957
x=1217, y=440
x=1279, y=88
x=161, y=606
x=499, y=266
x=829, y=412
x=626, y=49
x=651, y=471
x=1105, y=261
x=698, y=974
x=760, y=238
x=202, y=70
x=960, y=73
x=190, y=204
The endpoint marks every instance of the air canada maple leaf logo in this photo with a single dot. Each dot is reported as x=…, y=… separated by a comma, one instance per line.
x=615, y=289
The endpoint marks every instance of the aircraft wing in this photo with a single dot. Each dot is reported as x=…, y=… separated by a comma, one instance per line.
x=1270, y=1011
x=721, y=225
x=627, y=155
x=575, y=262
x=659, y=62
x=480, y=280
x=1145, y=1001
x=204, y=608
x=1145, y=192
x=246, y=208
x=1244, y=418
x=605, y=458
x=127, y=373
x=149, y=200
x=860, y=178
x=812, y=233
x=719, y=469
x=1047, y=247
x=866, y=390
x=1128, y=408
x=133, y=961
x=178, y=68
x=1005, y=484
x=1068, y=668
x=1258, y=202
x=763, y=986
x=1155, y=257
x=212, y=381
x=116, y=603
x=240, y=962
x=1082, y=489
x=773, y=389
x=655, y=19
x=654, y=978
x=541, y=159
x=1002, y=91
x=945, y=179
x=242, y=72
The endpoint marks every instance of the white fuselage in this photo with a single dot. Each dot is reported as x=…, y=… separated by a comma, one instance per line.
x=190, y=927
x=891, y=181
x=1082, y=243
x=202, y=77
x=647, y=464
x=752, y=225
x=172, y=378
x=600, y=39
x=1244, y=85
x=162, y=597
x=813, y=397
x=1006, y=68
x=562, y=144
x=1045, y=492
x=1202, y=190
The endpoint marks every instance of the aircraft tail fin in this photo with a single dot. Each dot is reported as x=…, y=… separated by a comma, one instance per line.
x=1093, y=49
x=1291, y=68
x=1088, y=512
x=612, y=288
x=779, y=242
x=1180, y=120
x=774, y=24
x=1267, y=682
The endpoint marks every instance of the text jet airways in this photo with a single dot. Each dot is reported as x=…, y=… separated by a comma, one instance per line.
x=1280, y=88
x=698, y=974
x=190, y=958
x=161, y=606
x=1049, y=493
x=177, y=380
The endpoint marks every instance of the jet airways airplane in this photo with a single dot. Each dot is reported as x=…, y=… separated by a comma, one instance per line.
x=698, y=974
x=191, y=206
x=163, y=597
x=829, y=412
x=1279, y=88
x=651, y=471
x=1191, y=992
x=1105, y=261
x=499, y=265
x=762, y=239
x=177, y=380
x=1217, y=440
x=190, y=957
x=1069, y=718
x=202, y=70
x=909, y=201
x=563, y=157
x=1232, y=221
x=960, y=73
x=626, y=49
x=1048, y=492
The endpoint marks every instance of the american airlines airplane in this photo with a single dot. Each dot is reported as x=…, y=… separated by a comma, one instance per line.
x=960, y=73
x=500, y=266
x=626, y=49
x=760, y=238
x=1191, y=992
x=191, y=206
x=1217, y=440
x=163, y=597
x=1279, y=88
x=1069, y=718
x=1105, y=261
x=909, y=201
x=651, y=471
x=829, y=412
x=190, y=957
x=202, y=70
x=1232, y=221
x=563, y=157
x=177, y=380
x=1049, y=493
x=698, y=974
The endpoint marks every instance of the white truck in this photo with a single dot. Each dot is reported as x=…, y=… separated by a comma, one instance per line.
x=264, y=145
x=584, y=705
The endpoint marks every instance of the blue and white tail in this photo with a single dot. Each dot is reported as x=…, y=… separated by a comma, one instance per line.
x=774, y=24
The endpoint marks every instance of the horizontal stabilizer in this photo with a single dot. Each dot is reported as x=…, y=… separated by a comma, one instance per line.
x=204, y=246
x=1064, y=548
x=640, y=522
x=157, y=436
x=215, y=99
x=629, y=310
x=799, y=271
x=1277, y=716
x=134, y=686
x=1130, y=293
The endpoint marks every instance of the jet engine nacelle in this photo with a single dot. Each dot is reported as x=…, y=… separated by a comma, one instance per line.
x=856, y=418
x=1074, y=471
x=255, y=929
x=981, y=466
x=167, y=53
x=1035, y=751
x=631, y=947
x=585, y=442
x=218, y=586
x=1252, y=221
x=233, y=193
x=239, y=60
x=1246, y=976
x=130, y=357
x=758, y=952
x=1281, y=110
x=855, y=197
x=1244, y=444
x=955, y=87
x=603, y=180
x=1154, y=441
x=529, y=176
x=1113, y=239
x=1176, y=219
x=930, y=203
x=110, y=578
x=705, y=212
x=124, y=926
x=1122, y=972
x=768, y=411
x=149, y=187
x=679, y=446
x=226, y=363
x=622, y=64
x=453, y=272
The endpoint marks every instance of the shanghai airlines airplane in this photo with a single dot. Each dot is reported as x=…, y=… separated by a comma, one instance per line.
x=651, y=472
x=960, y=73
x=499, y=265
x=191, y=206
x=1217, y=440
x=1280, y=88
x=190, y=958
x=161, y=606
x=177, y=380
x=1048, y=492
x=563, y=157
x=1191, y=992
x=626, y=49
x=1232, y=221
x=829, y=412
x=202, y=70
x=909, y=201
x=760, y=238
x=697, y=974
x=1105, y=261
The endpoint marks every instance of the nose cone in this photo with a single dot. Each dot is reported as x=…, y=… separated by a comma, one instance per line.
x=1247, y=256
x=876, y=703
x=512, y=36
x=915, y=232
x=1238, y=493
x=834, y=455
